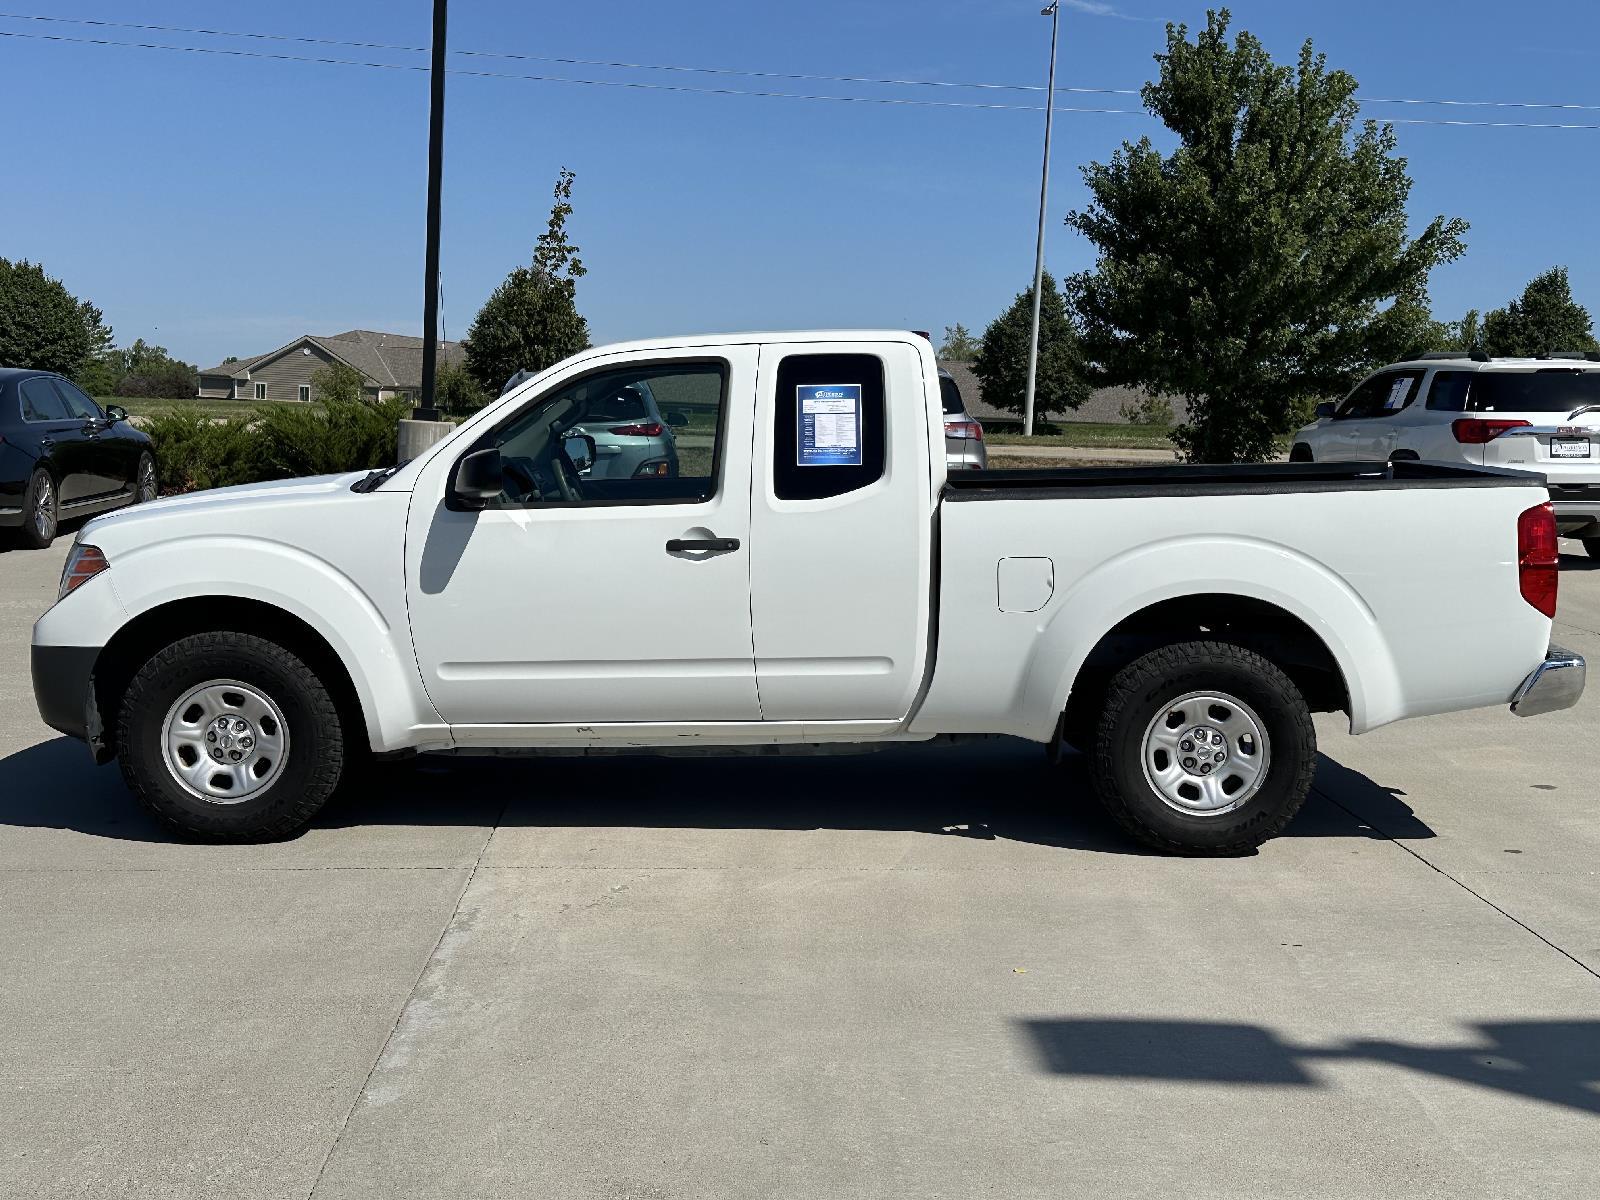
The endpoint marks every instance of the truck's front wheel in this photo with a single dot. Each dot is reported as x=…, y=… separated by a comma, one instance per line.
x=1203, y=748
x=230, y=737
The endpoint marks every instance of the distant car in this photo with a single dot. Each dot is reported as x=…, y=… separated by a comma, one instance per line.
x=1534, y=414
x=632, y=438
x=963, y=433
x=62, y=455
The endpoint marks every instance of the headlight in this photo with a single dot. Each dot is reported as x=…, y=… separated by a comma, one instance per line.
x=83, y=564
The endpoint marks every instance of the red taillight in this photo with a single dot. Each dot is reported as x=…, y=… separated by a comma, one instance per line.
x=1539, y=558
x=965, y=428
x=653, y=429
x=1475, y=431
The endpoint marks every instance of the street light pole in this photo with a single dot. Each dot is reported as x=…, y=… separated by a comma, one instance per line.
x=1053, y=11
x=428, y=410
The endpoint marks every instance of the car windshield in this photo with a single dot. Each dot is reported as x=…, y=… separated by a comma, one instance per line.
x=951, y=395
x=1548, y=390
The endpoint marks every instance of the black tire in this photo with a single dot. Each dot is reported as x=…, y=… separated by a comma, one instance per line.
x=1137, y=696
x=311, y=767
x=1592, y=545
x=146, y=487
x=41, y=511
x=1300, y=452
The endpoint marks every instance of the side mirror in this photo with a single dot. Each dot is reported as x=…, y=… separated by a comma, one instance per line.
x=580, y=451
x=1326, y=409
x=115, y=413
x=675, y=418
x=479, y=478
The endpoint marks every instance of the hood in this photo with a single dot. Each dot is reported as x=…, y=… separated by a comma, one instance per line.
x=235, y=499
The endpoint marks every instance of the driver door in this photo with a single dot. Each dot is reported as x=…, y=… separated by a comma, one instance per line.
x=571, y=599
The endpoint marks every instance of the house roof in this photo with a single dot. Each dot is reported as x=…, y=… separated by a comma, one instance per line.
x=386, y=359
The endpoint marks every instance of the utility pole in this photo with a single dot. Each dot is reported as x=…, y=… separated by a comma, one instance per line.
x=1053, y=11
x=428, y=410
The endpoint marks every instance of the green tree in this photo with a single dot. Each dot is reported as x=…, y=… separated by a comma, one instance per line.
x=1265, y=263
x=1002, y=361
x=456, y=391
x=44, y=326
x=532, y=321
x=337, y=383
x=1544, y=318
x=959, y=345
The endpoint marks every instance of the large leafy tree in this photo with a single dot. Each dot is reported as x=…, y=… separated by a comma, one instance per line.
x=44, y=326
x=1544, y=318
x=1265, y=262
x=959, y=345
x=532, y=320
x=1002, y=362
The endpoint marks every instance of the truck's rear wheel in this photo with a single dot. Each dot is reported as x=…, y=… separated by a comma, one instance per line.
x=229, y=737
x=1203, y=748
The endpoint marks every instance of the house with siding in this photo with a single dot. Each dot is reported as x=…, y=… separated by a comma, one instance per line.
x=390, y=365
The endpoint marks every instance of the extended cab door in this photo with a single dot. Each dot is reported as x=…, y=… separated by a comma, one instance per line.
x=573, y=598
x=841, y=528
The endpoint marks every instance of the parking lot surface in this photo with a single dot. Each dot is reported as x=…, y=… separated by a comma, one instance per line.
x=921, y=973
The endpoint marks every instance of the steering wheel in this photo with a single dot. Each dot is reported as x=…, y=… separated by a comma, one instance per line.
x=566, y=476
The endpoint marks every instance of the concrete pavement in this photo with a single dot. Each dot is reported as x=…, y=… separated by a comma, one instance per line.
x=918, y=973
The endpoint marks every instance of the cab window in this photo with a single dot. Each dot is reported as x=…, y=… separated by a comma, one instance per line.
x=643, y=434
x=40, y=401
x=828, y=427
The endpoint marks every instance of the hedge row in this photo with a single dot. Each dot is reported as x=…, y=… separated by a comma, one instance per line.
x=197, y=450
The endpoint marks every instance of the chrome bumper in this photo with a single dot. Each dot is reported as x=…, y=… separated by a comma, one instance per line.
x=1556, y=683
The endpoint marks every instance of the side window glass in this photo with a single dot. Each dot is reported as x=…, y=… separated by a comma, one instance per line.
x=1363, y=402
x=1448, y=392
x=1398, y=395
x=40, y=401
x=829, y=425
x=78, y=405
x=639, y=435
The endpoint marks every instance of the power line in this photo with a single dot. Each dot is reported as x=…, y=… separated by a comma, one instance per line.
x=735, y=71
x=719, y=91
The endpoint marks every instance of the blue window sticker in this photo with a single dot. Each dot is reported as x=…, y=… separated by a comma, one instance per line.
x=829, y=416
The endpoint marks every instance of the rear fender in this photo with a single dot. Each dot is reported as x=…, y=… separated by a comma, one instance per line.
x=1168, y=570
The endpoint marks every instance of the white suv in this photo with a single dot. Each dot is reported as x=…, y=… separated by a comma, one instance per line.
x=1535, y=414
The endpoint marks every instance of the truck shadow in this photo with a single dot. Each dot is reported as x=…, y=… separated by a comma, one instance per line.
x=1001, y=789
x=1557, y=1062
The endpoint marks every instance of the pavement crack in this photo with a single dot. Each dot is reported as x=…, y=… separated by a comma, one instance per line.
x=1467, y=888
x=406, y=1004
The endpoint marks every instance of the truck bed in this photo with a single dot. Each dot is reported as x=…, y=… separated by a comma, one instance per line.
x=1182, y=479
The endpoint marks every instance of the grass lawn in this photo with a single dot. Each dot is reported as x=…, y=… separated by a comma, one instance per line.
x=1091, y=433
x=143, y=406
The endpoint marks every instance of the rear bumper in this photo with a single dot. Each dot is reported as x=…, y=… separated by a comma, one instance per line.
x=1555, y=684
x=1577, y=509
x=63, y=689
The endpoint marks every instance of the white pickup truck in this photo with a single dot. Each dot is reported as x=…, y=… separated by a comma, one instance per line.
x=805, y=573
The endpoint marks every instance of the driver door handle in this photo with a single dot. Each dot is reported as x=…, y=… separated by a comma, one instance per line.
x=714, y=545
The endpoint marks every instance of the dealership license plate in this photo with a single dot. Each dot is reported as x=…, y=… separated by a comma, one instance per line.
x=1569, y=447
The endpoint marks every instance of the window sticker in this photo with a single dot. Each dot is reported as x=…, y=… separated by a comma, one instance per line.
x=1399, y=393
x=829, y=416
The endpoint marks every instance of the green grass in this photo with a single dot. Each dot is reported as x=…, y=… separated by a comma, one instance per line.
x=143, y=406
x=1091, y=433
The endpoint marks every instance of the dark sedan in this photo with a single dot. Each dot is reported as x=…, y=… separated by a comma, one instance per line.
x=63, y=456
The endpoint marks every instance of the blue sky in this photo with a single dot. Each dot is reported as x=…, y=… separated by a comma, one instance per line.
x=222, y=205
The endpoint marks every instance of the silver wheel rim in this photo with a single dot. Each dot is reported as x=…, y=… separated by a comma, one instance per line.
x=147, y=481
x=225, y=741
x=1205, y=753
x=44, y=508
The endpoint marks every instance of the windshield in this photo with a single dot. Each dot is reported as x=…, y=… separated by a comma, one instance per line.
x=1548, y=390
x=950, y=394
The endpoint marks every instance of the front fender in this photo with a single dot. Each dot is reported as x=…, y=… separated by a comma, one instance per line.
x=367, y=632
x=1171, y=569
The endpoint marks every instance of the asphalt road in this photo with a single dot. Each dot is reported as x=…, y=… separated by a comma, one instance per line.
x=915, y=974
